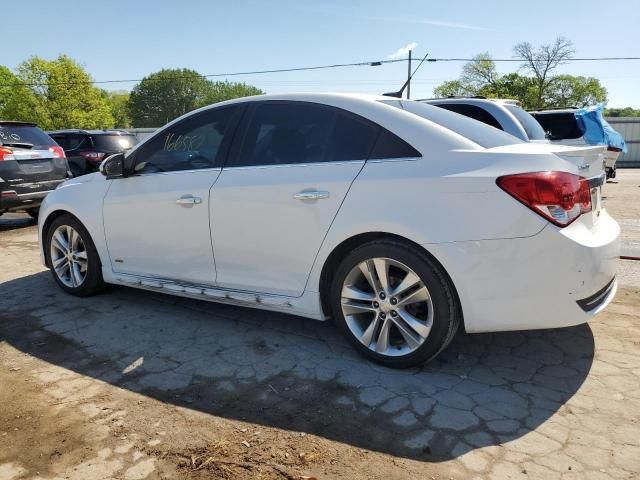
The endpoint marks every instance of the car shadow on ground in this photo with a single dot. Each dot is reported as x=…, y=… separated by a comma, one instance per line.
x=13, y=222
x=296, y=374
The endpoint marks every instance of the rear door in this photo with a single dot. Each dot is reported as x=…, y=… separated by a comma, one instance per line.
x=32, y=163
x=281, y=189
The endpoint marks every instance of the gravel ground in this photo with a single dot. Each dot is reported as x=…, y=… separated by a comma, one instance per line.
x=133, y=385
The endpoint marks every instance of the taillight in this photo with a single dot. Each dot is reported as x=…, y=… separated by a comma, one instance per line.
x=93, y=156
x=57, y=151
x=613, y=149
x=6, y=153
x=559, y=197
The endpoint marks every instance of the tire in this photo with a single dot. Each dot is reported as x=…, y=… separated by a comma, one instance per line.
x=85, y=254
x=437, y=310
x=33, y=212
x=76, y=170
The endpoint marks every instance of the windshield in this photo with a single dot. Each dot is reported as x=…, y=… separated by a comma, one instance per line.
x=477, y=132
x=531, y=126
x=114, y=143
x=25, y=134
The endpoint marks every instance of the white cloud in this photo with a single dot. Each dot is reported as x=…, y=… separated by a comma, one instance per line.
x=401, y=52
x=440, y=23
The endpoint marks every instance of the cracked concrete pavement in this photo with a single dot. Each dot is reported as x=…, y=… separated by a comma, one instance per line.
x=135, y=382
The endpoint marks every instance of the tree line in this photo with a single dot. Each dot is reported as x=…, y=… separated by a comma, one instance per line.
x=59, y=93
x=536, y=85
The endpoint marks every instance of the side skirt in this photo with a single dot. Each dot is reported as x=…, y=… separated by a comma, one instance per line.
x=276, y=303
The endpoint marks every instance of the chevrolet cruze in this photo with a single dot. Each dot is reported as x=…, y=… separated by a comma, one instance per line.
x=399, y=220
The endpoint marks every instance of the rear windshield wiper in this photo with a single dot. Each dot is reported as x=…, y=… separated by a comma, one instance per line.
x=17, y=144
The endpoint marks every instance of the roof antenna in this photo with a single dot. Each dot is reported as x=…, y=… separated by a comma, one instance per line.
x=399, y=93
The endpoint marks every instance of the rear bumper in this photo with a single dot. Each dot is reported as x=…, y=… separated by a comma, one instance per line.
x=23, y=201
x=535, y=282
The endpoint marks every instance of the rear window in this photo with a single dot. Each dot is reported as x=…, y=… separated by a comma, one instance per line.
x=561, y=125
x=477, y=132
x=114, y=143
x=25, y=134
x=530, y=124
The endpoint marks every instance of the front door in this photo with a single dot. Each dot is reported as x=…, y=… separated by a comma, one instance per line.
x=157, y=219
x=280, y=191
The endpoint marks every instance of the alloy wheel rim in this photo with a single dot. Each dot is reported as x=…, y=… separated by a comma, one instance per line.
x=387, y=307
x=69, y=256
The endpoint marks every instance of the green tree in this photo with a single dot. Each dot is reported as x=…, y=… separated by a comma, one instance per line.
x=542, y=62
x=572, y=91
x=479, y=77
x=622, y=112
x=64, y=95
x=17, y=102
x=165, y=95
x=221, y=91
x=170, y=93
x=119, y=103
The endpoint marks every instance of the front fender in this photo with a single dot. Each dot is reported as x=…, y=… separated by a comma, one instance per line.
x=81, y=197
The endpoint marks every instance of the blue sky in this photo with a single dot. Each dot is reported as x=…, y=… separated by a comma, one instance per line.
x=130, y=39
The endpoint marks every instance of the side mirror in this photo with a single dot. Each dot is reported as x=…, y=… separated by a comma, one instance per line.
x=113, y=166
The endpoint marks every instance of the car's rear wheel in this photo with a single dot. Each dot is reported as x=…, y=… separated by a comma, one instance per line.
x=73, y=258
x=394, y=303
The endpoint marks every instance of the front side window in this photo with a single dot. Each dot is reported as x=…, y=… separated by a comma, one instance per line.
x=196, y=142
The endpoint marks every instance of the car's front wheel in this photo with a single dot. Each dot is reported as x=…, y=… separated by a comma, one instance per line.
x=394, y=303
x=73, y=258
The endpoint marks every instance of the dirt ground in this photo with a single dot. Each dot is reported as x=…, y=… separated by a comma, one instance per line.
x=136, y=385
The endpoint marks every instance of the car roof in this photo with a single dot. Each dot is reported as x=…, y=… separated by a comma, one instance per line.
x=89, y=132
x=17, y=123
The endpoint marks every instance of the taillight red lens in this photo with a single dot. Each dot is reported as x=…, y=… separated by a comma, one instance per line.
x=559, y=197
x=93, y=156
x=6, y=153
x=57, y=151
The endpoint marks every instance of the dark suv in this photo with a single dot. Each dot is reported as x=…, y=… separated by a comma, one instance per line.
x=31, y=165
x=85, y=149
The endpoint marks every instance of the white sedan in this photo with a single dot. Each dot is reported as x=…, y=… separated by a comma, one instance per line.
x=399, y=220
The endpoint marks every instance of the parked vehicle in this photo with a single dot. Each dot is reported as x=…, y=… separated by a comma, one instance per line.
x=582, y=126
x=507, y=115
x=85, y=149
x=400, y=220
x=503, y=114
x=31, y=166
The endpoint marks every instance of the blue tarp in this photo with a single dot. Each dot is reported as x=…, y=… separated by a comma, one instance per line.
x=596, y=130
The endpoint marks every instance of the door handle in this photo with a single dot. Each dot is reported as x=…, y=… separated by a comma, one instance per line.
x=311, y=195
x=188, y=201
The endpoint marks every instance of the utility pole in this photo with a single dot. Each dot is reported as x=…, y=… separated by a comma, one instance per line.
x=409, y=77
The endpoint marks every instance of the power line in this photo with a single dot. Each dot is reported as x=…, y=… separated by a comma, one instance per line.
x=588, y=59
x=212, y=75
x=295, y=69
